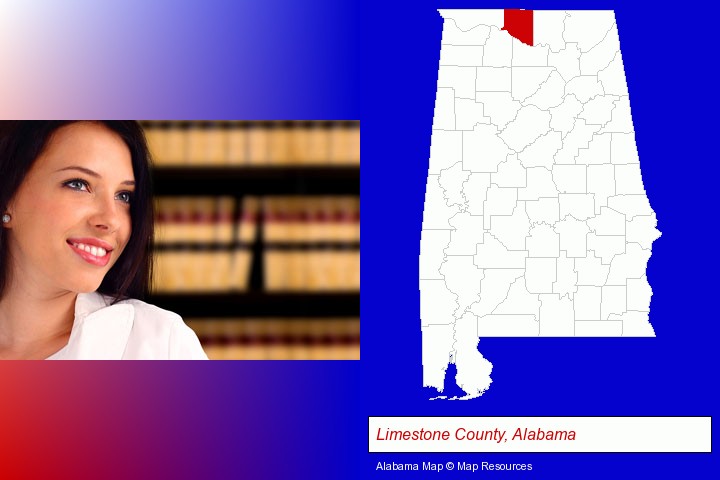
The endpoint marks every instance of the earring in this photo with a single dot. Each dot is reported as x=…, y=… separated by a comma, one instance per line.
x=6, y=218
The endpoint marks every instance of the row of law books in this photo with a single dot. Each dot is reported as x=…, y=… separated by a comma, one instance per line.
x=253, y=143
x=279, y=339
x=282, y=219
x=207, y=244
x=197, y=271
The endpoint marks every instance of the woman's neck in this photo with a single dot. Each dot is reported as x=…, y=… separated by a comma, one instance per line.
x=34, y=325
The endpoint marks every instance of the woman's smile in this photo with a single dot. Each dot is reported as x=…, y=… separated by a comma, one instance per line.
x=92, y=250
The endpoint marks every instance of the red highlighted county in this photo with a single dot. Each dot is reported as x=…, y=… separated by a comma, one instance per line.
x=519, y=24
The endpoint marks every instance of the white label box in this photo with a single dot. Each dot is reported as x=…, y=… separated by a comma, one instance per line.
x=540, y=434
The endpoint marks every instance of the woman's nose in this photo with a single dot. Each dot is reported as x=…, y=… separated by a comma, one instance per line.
x=106, y=214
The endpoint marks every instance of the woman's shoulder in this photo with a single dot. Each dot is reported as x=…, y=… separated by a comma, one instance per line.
x=156, y=331
x=152, y=313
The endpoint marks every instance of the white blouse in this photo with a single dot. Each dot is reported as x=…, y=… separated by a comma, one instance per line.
x=128, y=330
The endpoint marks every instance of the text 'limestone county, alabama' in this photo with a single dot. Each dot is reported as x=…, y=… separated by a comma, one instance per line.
x=496, y=435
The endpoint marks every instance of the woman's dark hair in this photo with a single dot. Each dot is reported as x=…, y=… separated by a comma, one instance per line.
x=21, y=142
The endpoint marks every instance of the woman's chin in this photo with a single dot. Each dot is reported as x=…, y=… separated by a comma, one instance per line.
x=87, y=286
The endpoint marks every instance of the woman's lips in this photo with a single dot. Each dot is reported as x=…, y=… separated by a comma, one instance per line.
x=92, y=254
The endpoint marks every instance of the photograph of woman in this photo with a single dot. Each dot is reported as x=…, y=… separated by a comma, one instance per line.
x=75, y=246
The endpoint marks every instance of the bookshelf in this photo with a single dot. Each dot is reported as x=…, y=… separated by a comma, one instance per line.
x=260, y=208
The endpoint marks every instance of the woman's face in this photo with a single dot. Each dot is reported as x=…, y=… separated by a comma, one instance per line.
x=71, y=215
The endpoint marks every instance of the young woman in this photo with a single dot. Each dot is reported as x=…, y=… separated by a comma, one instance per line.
x=75, y=246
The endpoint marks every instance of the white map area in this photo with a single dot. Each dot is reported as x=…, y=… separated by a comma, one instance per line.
x=536, y=221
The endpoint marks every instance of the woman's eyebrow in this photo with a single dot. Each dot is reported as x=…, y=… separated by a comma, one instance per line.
x=92, y=173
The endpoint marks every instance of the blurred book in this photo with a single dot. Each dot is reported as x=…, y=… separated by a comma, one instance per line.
x=279, y=339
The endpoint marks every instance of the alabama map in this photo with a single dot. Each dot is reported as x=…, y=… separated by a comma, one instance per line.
x=536, y=222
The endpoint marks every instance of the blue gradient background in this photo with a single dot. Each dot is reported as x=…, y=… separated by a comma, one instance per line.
x=338, y=60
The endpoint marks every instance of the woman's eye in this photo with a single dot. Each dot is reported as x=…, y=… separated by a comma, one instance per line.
x=80, y=185
x=125, y=197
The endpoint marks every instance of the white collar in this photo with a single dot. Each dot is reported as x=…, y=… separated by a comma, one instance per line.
x=100, y=331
